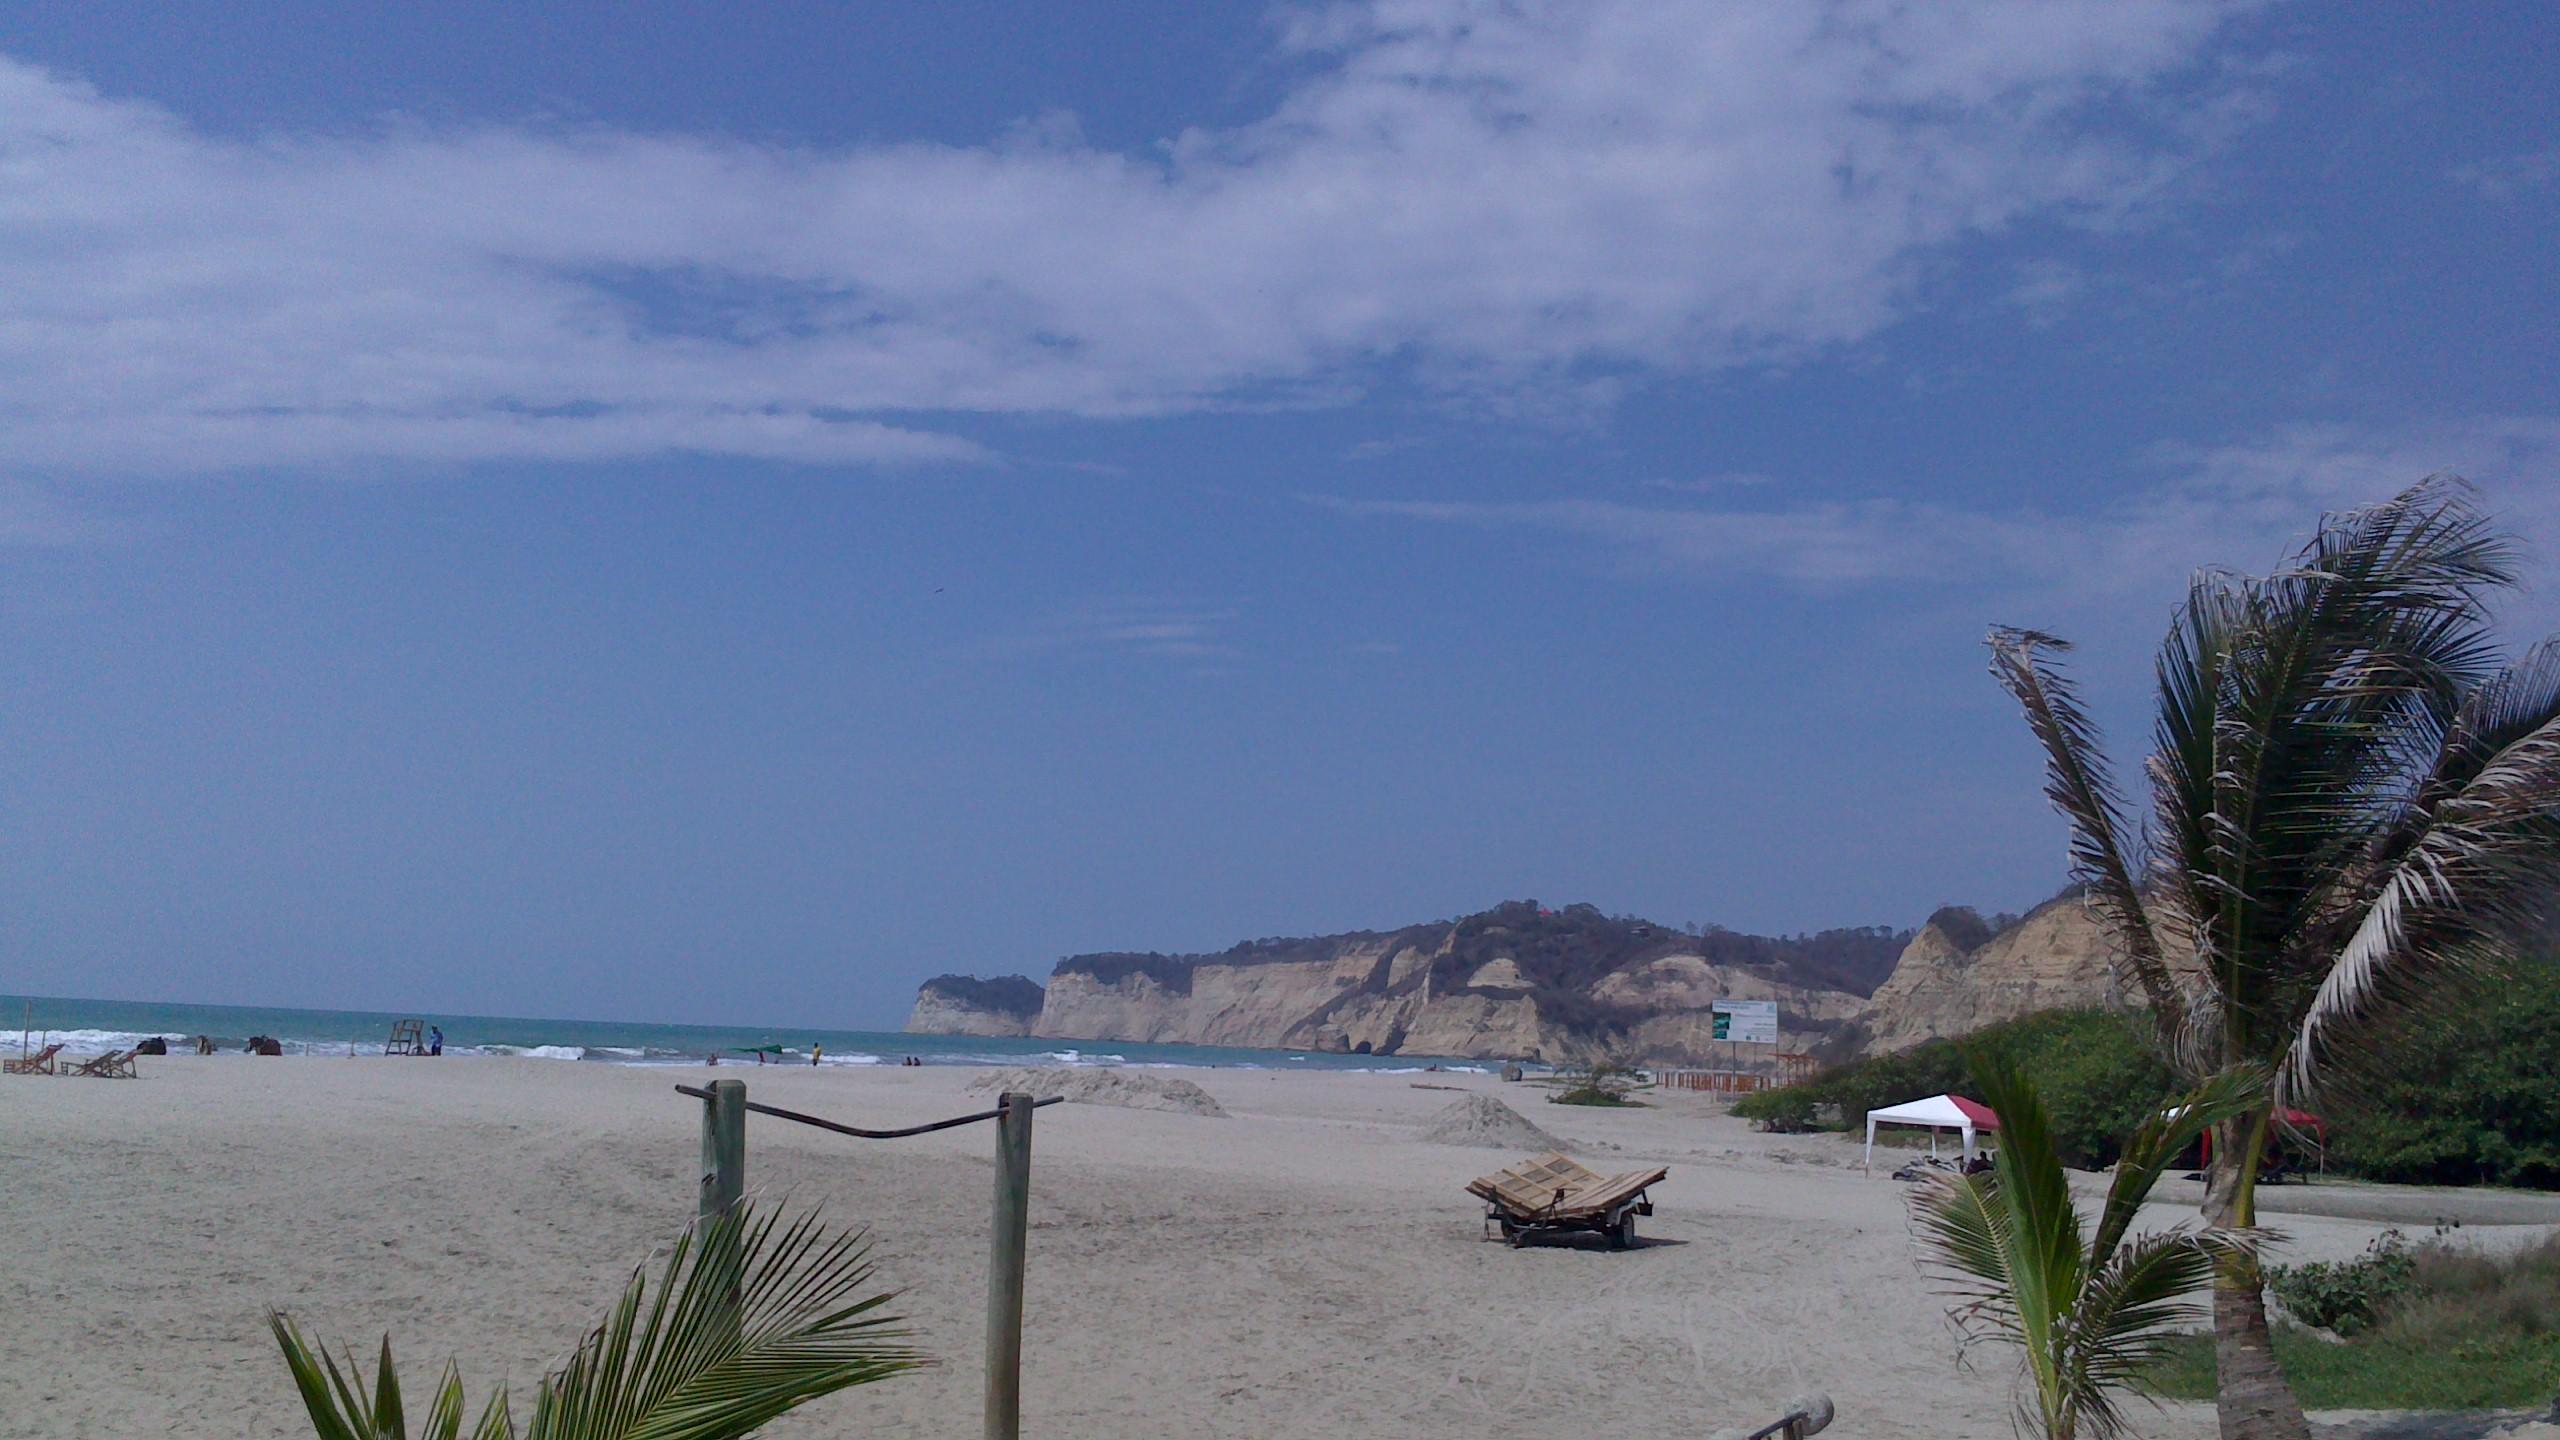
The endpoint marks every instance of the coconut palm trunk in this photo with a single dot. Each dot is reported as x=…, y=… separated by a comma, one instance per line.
x=2351, y=800
x=2249, y=1391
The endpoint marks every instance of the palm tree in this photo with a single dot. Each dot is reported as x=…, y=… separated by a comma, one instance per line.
x=2090, y=1316
x=2351, y=799
x=751, y=1319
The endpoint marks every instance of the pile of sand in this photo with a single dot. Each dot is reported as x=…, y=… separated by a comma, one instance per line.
x=1128, y=1089
x=1485, y=1121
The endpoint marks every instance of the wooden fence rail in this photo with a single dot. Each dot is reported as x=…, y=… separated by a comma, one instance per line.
x=724, y=1181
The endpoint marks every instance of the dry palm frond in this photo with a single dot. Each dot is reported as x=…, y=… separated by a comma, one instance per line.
x=2077, y=782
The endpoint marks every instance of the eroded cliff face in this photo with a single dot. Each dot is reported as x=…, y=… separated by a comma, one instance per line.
x=1534, y=984
x=2058, y=958
x=1519, y=981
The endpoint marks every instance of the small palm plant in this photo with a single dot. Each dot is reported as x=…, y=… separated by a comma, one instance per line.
x=2090, y=1310
x=751, y=1318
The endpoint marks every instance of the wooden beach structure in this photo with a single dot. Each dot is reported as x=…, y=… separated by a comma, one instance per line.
x=1552, y=1195
x=1785, y=1068
x=724, y=1182
x=39, y=1063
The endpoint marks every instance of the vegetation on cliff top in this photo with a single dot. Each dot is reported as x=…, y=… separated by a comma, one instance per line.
x=1004, y=994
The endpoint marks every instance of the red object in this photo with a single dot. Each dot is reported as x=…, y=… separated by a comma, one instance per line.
x=2297, y=1119
x=1982, y=1116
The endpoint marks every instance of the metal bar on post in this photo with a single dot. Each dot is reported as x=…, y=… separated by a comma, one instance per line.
x=1004, y=1276
x=724, y=1146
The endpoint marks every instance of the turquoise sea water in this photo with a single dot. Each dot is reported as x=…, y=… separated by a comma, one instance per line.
x=95, y=1025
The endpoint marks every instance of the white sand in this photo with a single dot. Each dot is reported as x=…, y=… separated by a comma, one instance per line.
x=1128, y=1089
x=1485, y=1122
x=1309, y=1266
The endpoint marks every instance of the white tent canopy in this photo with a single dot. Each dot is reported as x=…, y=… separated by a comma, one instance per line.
x=1938, y=1112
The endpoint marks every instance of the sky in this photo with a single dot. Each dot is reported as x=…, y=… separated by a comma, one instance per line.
x=719, y=513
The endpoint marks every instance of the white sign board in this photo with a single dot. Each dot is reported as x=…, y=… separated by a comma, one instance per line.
x=1754, y=1022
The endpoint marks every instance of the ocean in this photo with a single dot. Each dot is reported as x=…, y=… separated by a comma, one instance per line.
x=87, y=1026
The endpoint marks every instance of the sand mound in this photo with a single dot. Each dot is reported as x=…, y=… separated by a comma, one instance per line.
x=1483, y=1120
x=1128, y=1089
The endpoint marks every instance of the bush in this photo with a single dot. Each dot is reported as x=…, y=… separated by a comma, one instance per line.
x=2348, y=1296
x=1790, y=1111
x=2432, y=1328
x=1598, y=1085
x=2095, y=1069
x=2464, y=1094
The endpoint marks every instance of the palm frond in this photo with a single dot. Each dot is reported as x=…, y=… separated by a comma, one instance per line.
x=2133, y=1308
x=2469, y=873
x=2329, y=667
x=2086, y=1318
x=2077, y=783
x=2032, y=1184
x=2187, y=849
x=1968, y=1234
x=750, y=1318
x=2161, y=1139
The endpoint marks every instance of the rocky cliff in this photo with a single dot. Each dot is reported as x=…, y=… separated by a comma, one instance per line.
x=1516, y=981
x=1521, y=981
x=966, y=1005
x=1954, y=977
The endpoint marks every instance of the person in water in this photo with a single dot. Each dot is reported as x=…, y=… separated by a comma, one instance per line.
x=435, y=1039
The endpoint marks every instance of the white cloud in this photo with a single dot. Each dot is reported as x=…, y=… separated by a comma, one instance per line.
x=1148, y=628
x=2504, y=178
x=1491, y=193
x=2241, y=505
x=2044, y=290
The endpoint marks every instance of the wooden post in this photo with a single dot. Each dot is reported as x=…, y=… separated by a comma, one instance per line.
x=1004, y=1274
x=724, y=1146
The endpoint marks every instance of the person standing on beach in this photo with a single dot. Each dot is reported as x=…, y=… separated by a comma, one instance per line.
x=816, y=1050
x=435, y=1039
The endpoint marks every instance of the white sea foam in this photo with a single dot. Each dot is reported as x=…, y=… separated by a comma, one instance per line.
x=81, y=1042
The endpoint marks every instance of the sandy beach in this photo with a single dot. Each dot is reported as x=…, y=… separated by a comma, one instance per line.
x=1308, y=1264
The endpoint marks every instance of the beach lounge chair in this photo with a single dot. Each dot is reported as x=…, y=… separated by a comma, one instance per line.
x=40, y=1063
x=114, y=1065
x=1552, y=1195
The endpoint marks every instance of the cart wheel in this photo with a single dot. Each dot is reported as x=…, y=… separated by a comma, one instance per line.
x=1622, y=1236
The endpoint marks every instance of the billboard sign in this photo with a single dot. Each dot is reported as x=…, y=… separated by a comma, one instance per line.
x=1753, y=1022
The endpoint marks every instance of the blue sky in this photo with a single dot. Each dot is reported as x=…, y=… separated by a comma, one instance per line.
x=701, y=514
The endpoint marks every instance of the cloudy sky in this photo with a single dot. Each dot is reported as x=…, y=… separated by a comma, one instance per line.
x=719, y=513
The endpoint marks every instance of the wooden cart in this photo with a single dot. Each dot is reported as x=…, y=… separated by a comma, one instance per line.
x=1552, y=1195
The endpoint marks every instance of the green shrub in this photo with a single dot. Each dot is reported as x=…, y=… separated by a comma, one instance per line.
x=2465, y=1093
x=2440, y=1329
x=1597, y=1085
x=1789, y=1111
x=2348, y=1296
x=2096, y=1070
